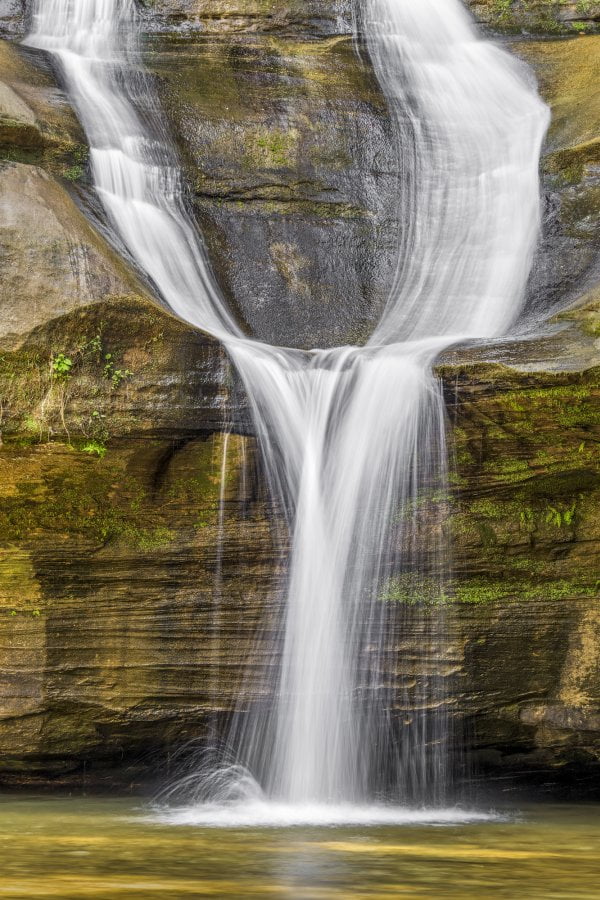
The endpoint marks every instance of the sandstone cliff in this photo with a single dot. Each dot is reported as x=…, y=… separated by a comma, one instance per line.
x=131, y=580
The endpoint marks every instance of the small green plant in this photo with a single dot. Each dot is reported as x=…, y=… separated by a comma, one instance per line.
x=94, y=448
x=73, y=173
x=61, y=366
x=115, y=376
x=94, y=345
x=526, y=519
x=79, y=157
x=30, y=424
x=554, y=517
x=120, y=375
x=561, y=517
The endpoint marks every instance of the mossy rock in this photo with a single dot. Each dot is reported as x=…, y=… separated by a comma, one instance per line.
x=316, y=17
x=288, y=151
x=36, y=124
x=538, y=16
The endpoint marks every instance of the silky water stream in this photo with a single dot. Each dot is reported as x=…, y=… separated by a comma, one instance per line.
x=352, y=438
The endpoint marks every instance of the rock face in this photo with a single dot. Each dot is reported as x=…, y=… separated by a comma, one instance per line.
x=17, y=122
x=525, y=525
x=569, y=75
x=12, y=17
x=526, y=536
x=326, y=17
x=111, y=524
x=288, y=156
x=133, y=578
x=51, y=258
x=538, y=16
x=316, y=17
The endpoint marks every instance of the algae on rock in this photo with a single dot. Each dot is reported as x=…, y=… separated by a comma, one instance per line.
x=293, y=178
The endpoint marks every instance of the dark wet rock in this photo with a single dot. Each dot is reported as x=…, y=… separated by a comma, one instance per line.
x=293, y=176
x=12, y=17
x=318, y=17
x=568, y=262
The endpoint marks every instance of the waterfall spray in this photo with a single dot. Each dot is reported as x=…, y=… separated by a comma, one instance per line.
x=351, y=437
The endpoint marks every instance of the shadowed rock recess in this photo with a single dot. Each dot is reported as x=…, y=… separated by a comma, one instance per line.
x=132, y=579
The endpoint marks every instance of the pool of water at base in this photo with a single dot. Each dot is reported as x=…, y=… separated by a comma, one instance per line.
x=66, y=848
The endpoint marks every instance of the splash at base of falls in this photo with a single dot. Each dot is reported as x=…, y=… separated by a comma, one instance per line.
x=268, y=814
x=230, y=797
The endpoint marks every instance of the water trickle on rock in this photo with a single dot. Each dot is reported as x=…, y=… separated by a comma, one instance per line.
x=352, y=438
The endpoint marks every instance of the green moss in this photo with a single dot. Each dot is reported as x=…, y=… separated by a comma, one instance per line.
x=40, y=387
x=413, y=589
x=479, y=592
x=274, y=149
x=537, y=16
x=64, y=158
x=71, y=497
x=19, y=587
x=73, y=173
x=22, y=155
x=144, y=539
x=506, y=469
x=464, y=457
x=94, y=448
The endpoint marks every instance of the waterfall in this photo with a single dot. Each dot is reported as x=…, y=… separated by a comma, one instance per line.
x=352, y=438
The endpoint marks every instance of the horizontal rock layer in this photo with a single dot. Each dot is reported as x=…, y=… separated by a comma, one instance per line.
x=325, y=17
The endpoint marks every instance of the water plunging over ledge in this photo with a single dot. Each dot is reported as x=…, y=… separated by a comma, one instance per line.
x=351, y=437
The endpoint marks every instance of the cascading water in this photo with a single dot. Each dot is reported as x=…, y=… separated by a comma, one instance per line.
x=351, y=437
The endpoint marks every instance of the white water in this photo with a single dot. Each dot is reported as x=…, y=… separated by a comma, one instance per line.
x=260, y=814
x=350, y=437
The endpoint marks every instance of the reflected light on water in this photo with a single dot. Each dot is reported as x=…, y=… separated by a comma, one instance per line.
x=66, y=849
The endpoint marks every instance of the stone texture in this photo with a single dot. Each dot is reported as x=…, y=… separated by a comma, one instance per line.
x=538, y=16
x=526, y=534
x=12, y=18
x=325, y=17
x=335, y=16
x=111, y=529
x=319, y=17
x=51, y=258
x=32, y=90
x=568, y=263
x=17, y=122
x=287, y=150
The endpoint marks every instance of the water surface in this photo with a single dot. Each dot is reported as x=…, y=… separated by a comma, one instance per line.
x=67, y=848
